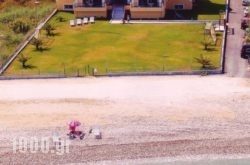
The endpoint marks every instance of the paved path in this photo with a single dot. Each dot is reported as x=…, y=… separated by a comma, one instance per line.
x=235, y=66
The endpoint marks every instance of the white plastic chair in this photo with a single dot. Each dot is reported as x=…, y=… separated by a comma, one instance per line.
x=85, y=20
x=92, y=19
x=79, y=21
x=72, y=22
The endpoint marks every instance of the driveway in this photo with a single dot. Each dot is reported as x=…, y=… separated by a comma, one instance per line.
x=235, y=66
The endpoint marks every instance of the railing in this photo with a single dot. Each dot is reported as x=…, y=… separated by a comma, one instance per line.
x=118, y=13
x=88, y=5
x=148, y=4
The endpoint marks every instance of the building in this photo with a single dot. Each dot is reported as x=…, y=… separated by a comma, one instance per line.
x=118, y=9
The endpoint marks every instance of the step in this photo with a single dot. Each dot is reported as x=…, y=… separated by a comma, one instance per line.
x=116, y=21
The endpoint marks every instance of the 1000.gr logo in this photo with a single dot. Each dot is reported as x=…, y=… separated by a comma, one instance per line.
x=33, y=144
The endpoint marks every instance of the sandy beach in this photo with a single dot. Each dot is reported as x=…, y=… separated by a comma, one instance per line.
x=141, y=118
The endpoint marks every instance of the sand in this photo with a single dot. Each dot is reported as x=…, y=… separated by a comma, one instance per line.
x=141, y=118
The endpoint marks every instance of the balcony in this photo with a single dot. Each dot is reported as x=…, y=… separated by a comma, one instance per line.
x=89, y=8
x=147, y=9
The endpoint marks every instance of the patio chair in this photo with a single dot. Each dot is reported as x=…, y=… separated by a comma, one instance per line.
x=85, y=20
x=92, y=20
x=79, y=21
x=72, y=22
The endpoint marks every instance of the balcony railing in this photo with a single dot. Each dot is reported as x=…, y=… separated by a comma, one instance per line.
x=98, y=3
x=148, y=3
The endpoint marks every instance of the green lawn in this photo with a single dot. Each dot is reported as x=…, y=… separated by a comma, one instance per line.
x=12, y=14
x=118, y=48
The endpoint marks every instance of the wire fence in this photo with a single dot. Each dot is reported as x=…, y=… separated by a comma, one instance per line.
x=90, y=70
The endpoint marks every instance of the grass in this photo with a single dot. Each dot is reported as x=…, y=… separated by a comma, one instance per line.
x=118, y=48
x=11, y=12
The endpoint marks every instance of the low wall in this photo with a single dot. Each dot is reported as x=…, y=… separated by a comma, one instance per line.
x=147, y=12
x=91, y=11
x=170, y=73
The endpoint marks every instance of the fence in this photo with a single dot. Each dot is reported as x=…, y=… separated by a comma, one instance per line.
x=90, y=70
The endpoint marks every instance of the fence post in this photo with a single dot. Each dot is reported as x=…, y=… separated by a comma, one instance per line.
x=88, y=69
x=93, y=71
x=77, y=72
x=64, y=70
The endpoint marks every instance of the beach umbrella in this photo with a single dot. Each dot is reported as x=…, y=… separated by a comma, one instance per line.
x=73, y=124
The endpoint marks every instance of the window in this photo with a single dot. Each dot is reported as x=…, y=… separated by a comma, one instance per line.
x=178, y=7
x=68, y=7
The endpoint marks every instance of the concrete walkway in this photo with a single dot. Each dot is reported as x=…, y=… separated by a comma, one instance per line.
x=163, y=21
x=235, y=66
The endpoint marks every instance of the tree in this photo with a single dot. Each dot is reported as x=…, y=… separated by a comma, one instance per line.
x=204, y=61
x=49, y=29
x=60, y=19
x=23, y=60
x=38, y=43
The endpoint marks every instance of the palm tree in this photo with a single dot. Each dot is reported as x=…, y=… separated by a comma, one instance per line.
x=204, y=61
x=37, y=42
x=23, y=59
